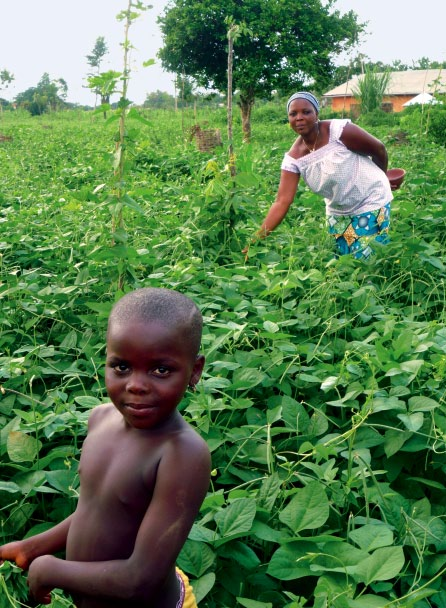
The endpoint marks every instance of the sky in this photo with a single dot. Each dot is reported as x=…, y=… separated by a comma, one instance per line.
x=54, y=37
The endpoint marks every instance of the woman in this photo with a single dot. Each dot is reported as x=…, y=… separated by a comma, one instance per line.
x=343, y=163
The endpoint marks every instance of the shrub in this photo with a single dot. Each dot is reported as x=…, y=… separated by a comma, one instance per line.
x=437, y=125
x=371, y=88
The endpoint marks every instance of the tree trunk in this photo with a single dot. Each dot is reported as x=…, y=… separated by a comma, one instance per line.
x=229, y=104
x=246, y=102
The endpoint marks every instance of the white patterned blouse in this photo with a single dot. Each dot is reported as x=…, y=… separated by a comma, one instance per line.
x=350, y=183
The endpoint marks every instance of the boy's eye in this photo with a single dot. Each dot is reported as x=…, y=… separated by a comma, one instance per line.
x=121, y=368
x=161, y=370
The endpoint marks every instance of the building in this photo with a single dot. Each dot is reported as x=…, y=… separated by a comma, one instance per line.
x=402, y=87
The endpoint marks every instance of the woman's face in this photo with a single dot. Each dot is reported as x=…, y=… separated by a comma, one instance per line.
x=302, y=116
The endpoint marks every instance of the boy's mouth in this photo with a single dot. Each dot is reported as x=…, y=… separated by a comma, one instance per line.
x=139, y=407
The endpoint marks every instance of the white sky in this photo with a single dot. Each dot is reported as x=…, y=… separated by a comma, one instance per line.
x=55, y=36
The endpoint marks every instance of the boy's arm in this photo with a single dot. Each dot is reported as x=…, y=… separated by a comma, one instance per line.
x=23, y=552
x=182, y=482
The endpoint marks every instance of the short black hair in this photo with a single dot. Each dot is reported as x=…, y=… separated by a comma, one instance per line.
x=171, y=307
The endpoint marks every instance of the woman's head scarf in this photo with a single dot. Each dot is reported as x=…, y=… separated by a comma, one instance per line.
x=303, y=95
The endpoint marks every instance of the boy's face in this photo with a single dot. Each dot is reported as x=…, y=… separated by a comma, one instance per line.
x=148, y=369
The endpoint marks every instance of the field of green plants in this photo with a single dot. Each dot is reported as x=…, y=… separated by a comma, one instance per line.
x=323, y=397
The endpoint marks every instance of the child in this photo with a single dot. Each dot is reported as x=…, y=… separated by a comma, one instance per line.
x=144, y=471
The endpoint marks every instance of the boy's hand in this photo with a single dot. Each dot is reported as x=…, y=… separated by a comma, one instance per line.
x=15, y=552
x=38, y=590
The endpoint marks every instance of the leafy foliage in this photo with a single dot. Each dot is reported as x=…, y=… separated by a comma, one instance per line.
x=371, y=88
x=47, y=95
x=283, y=45
x=323, y=398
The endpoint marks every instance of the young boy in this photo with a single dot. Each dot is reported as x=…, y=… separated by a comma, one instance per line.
x=144, y=471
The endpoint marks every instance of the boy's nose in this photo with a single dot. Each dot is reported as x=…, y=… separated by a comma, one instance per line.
x=138, y=383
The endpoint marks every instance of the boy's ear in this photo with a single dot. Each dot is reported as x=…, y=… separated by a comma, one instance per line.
x=197, y=370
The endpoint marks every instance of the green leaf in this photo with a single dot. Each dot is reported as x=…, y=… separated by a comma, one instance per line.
x=271, y=327
x=269, y=491
x=236, y=518
x=240, y=553
x=196, y=557
x=246, y=180
x=383, y=404
x=295, y=415
x=422, y=404
x=292, y=561
x=246, y=378
x=412, y=422
x=337, y=556
x=130, y=202
x=30, y=480
x=307, y=510
x=70, y=340
x=264, y=532
x=403, y=343
x=87, y=401
x=412, y=367
x=384, y=564
x=368, y=601
x=9, y=486
x=22, y=447
x=394, y=441
x=329, y=383
x=429, y=482
x=202, y=586
x=372, y=536
x=247, y=603
x=61, y=479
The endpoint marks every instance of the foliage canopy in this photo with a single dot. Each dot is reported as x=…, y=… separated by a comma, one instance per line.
x=47, y=95
x=290, y=44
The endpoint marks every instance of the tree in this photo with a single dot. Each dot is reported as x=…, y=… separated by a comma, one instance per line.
x=5, y=80
x=159, y=100
x=185, y=86
x=95, y=58
x=47, y=95
x=292, y=44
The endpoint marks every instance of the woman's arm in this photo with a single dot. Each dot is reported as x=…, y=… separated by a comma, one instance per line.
x=360, y=141
x=278, y=210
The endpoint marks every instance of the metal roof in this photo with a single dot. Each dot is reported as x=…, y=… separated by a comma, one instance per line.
x=411, y=82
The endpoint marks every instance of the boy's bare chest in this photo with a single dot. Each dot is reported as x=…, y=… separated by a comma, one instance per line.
x=115, y=466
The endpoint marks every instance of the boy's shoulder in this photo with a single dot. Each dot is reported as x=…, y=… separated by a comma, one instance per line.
x=187, y=438
x=186, y=451
x=99, y=412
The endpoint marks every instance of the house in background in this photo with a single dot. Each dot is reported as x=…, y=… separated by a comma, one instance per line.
x=402, y=87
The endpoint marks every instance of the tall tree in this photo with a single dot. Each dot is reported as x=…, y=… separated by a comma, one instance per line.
x=291, y=44
x=95, y=58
